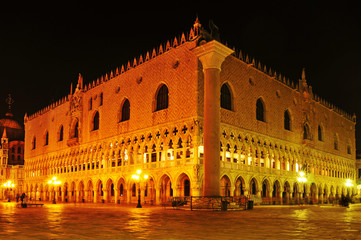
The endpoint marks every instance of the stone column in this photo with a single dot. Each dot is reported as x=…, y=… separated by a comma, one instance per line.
x=95, y=196
x=116, y=195
x=86, y=195
x=211, y=54
x=157, y=196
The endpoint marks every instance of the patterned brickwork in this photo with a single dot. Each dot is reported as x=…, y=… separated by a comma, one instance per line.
x=167, y=144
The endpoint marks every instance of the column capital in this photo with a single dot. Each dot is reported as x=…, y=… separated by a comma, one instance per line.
x=212, y=54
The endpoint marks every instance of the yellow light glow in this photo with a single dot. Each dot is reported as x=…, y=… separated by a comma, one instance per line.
x=145, y=176
x=302, y=174
x=348, y=183
x=139, y=171
x=9, y=184
x=136, y=177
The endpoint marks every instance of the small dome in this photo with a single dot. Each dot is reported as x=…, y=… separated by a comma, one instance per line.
x=9, y=122
x=14, y=130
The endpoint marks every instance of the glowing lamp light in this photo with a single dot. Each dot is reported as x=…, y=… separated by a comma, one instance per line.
x=138, y=179
x=8, y=184
x=348, y=183
x=302, y=177
x=54, y=181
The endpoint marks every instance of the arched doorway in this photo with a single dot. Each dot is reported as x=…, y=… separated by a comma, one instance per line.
x=276, y=193
x=296, y=193
x=90, y=191
x=313, y=193
x=149, y=191
x=253, y=186
x=166, y=190
x=65, y=192
x=286, y=193
x=46, y=196
x=265, y=189
x=225, y=186
x=72, y=192
x=184, y=186
x=99, y=192
x=239, y=187
x=110, y=191
x=81, y=197
x=122, y=191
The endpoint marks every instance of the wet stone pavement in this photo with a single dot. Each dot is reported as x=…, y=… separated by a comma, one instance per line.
x=102, y=221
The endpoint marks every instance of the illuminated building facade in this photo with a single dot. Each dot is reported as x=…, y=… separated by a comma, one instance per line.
x=199, y=119
x=11, y=157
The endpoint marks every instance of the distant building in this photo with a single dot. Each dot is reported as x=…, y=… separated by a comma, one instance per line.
x=12, y=157
x=198, y=119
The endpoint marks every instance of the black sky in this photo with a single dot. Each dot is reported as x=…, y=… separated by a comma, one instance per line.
x=43, y=47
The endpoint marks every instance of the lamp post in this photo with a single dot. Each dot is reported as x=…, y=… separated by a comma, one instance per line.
x=302, y=179
x=138, y=178
x=349, y=183
x=8, y=185
x=54, y=182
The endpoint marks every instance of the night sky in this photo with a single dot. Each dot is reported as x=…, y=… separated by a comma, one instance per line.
x=43, y=47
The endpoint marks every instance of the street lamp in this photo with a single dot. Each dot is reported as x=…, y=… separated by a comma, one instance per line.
x=8, y=185
x=54, y=182
x=349, y=183
x=302, y=179
x=138, y=178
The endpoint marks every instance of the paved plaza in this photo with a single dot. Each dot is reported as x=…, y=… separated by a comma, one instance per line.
x=103, y=221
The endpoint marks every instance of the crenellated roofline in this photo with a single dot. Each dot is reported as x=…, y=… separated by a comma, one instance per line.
x=197, y=33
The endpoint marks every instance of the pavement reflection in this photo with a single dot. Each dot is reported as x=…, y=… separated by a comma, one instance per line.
x=103, y=221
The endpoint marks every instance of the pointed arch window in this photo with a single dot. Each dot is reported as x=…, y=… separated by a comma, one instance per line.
x=90, y=103
x=121, y=190
x=96, y=121
x=162, y=98
x=46, y=139
x=348, y=146
x=260, y=114
x=61, y=133
x=335, y=142
x=75, y=133
x=319, y=133
x=287, y=120
x=101, y=99
x=226, y=97
x=125, y=114
x=306, y=132
x=34, y=143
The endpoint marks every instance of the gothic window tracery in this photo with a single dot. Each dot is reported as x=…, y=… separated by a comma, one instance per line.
x=306, y=132
x=125, y=112
x=287, y=120
x=226, y=97
x=96, y=121
x=320, y=133
x=260, y=110
x=61, y=133
x=46, y=142
x=335, y=142
x=162, y=98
